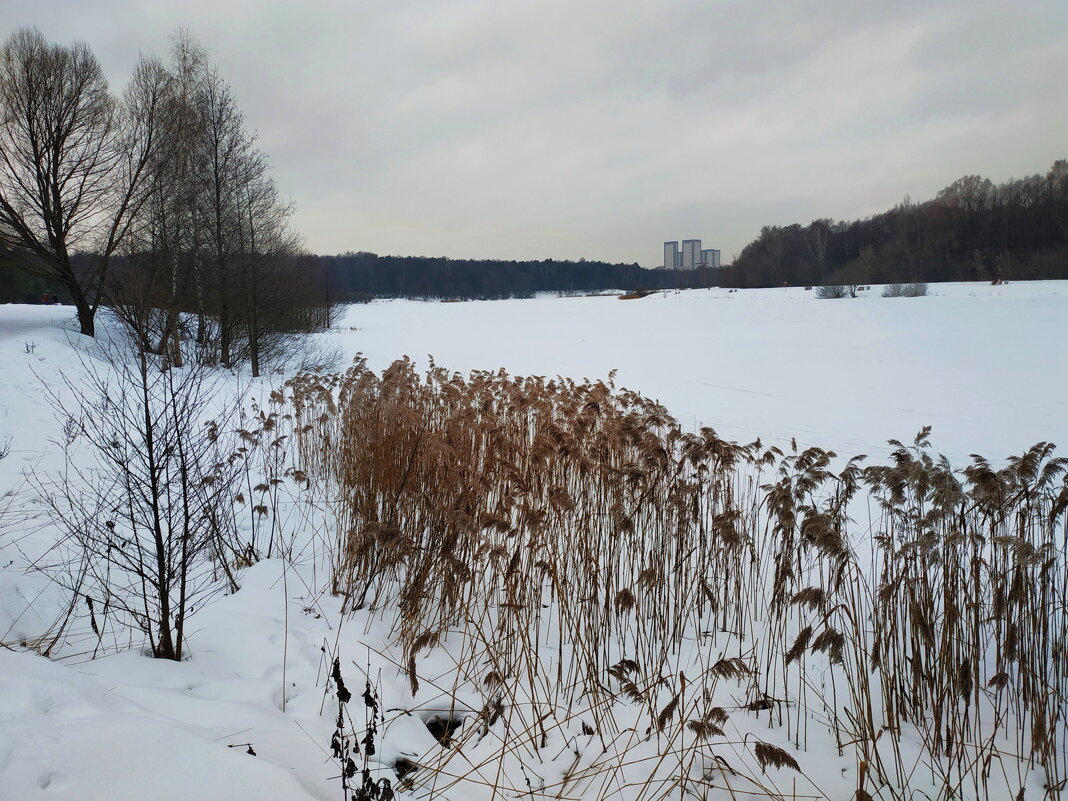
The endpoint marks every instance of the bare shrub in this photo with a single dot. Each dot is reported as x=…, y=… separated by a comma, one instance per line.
x=147, y=510
x=905, y=290
x=916, y=290
x=831, y=291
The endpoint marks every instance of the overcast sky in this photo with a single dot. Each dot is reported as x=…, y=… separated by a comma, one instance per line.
x=570, y=128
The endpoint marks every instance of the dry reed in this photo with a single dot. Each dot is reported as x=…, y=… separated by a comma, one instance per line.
x=601, y=576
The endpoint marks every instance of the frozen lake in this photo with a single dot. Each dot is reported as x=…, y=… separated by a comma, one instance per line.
x=984, y=365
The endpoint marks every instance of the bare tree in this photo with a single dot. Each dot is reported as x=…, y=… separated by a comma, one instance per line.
x=252, y=289
x=189, y=64
x=137, y=285
x=72, y=164
x=161, y=276
x=817, y=238
x=267, y=249
x=221, y=160
x=773, y=235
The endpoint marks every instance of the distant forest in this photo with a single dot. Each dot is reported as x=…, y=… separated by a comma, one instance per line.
x=358, y=276
x=972, y=230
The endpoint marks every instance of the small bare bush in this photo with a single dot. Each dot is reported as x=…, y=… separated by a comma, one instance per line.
x=147, y=507
x=905, y=290
x=831, y=291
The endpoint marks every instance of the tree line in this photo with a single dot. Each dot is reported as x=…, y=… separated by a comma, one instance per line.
x=156, y=202
x=356, y=276
x=972, y=230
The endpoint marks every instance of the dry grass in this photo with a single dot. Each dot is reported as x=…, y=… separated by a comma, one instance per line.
x=599, y=576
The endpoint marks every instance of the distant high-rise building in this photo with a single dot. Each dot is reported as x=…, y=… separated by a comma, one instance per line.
x=671, y=254
x=710, y=258
x=690, y=256
x=691, y=253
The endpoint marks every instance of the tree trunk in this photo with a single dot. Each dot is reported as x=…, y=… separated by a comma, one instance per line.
x=86, y=312
x=165, y=645
x=224, y=334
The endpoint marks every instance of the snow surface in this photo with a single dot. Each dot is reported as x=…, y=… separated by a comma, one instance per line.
x=984, y=365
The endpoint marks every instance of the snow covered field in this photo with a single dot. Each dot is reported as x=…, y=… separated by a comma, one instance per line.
x=984, y=365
